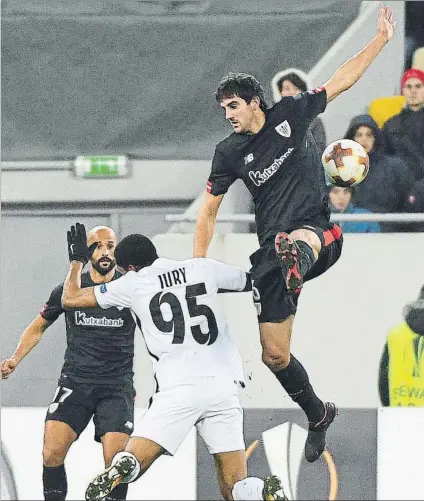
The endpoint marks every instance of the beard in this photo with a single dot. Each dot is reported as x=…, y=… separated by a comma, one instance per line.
x=103, y=270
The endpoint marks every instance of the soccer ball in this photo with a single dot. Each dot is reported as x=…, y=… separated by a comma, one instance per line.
x=345, y=162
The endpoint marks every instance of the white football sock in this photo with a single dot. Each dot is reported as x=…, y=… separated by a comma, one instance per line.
x=132, y=476
x=248, y=489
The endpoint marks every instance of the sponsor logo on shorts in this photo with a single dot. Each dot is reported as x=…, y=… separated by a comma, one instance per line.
x=257, y=300
x=82, y=319
x=129, y=425
x=103, y=288
x=53, y=407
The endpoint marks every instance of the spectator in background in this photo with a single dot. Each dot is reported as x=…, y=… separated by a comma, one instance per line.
x=341, y=203
x=414, y=32
x=386, y=186
x=291, y=82
x=401, y=375
x=415, y=203
x=404, y=133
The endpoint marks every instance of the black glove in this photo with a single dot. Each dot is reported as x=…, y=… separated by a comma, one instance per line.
x=78, y=249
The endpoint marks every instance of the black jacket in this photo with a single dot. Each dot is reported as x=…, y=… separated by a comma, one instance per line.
x=318, y=132
x=403, y=135
x=389, y=179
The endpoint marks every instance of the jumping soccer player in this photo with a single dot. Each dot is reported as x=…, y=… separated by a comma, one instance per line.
x=270, y=151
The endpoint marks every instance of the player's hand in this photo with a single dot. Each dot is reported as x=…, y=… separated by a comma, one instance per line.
x=78, y=249
x=386, y=22
x=7, y=367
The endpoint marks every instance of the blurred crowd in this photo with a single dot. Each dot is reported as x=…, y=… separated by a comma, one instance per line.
x=392, y=133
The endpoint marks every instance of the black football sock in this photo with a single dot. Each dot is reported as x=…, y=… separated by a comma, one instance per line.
x=118, y=493
x=55, y=483
x=295, y=381
x=306, y=257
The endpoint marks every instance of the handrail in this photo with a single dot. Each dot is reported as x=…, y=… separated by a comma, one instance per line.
x=250, y=218
x=38, y=165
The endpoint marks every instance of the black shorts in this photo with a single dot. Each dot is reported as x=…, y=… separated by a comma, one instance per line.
x=272, y=300
x=111, y=407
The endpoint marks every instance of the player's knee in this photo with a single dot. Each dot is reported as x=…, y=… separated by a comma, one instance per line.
x=54, y=454
x=310, y=237
x=276, y=357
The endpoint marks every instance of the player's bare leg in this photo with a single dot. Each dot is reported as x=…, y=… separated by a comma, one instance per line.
x=297, y=252
x=127, y=466
x=231, y=470
x=275, y=340
x=114, y=442
x=58, y=438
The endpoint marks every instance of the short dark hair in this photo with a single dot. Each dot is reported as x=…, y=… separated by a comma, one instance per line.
x=351, y=189
x=241, y=85
x=136, y=250
x=295, y=79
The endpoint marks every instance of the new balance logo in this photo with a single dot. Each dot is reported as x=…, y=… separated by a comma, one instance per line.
x=248, y=158
x=82, y=319
x=261, y=177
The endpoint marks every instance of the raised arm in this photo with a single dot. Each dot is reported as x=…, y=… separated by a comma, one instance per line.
x=228, y=278
x=352, y=70
x=205, y=225
x=105, y=295
x=28, y=340
x=73, y=295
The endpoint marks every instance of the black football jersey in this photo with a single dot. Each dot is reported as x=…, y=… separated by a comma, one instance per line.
x=100, y=343
x=280, y=166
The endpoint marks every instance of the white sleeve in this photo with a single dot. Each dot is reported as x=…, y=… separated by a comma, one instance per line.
x=116, y=293
x=226, y=276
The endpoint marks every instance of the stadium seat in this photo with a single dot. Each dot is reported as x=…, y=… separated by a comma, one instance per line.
x=418, y=59
x=383, y=108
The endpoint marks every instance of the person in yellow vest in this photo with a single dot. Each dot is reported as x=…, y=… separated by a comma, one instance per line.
x=401, y=378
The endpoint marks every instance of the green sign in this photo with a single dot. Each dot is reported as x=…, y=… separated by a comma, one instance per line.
x=105, y=166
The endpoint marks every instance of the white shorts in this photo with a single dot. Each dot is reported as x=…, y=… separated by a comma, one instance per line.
x=208, y=403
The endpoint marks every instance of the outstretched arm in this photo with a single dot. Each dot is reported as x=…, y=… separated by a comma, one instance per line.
x=205, y=225
x=29, y=339
x=352, y=70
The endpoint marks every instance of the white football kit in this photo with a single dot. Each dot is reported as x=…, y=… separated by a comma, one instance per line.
x=197, y=366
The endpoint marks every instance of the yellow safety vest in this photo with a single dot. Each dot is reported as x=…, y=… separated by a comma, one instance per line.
x=406, y=367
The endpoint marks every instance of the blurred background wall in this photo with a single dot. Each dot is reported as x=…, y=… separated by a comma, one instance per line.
x=138, y=77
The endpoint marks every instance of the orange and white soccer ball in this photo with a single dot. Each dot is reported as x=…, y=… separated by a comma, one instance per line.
x=346, y=163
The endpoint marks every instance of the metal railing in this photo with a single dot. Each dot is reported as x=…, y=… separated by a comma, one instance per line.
x=250, y=218
x=36, y=165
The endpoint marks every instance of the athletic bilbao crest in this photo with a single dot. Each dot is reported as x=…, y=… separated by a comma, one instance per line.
x=284, y=129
